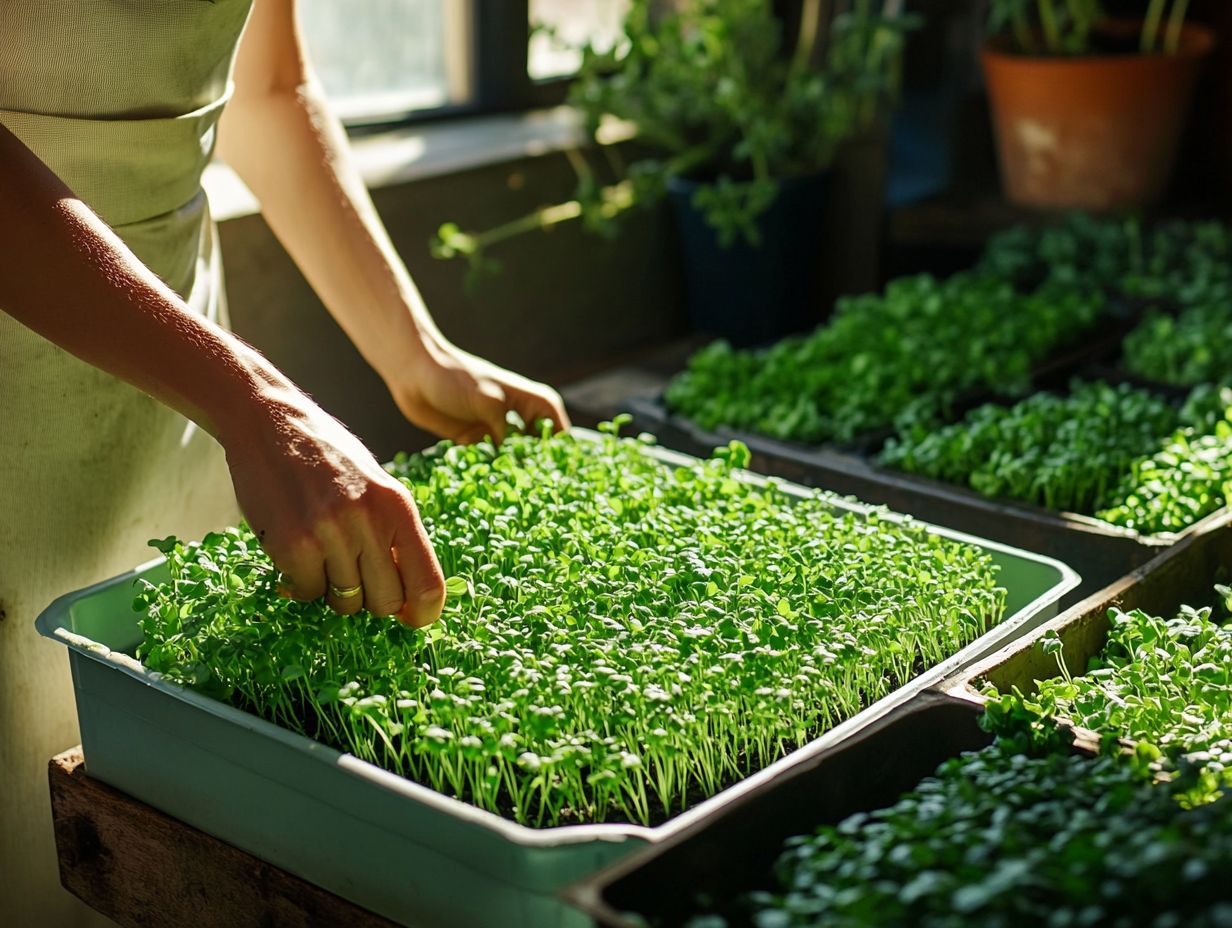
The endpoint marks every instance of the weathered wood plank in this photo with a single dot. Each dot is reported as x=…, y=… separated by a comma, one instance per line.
x=145, y=869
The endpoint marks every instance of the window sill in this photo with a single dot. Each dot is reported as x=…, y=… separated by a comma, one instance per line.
x=424, y=151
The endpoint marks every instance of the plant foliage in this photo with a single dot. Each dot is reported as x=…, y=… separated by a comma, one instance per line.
x=1116, y=452
x=904, y=356
x=622, y=638
x=1167, y=682
x=1002, y=839
x=718, y=91
x=1194, y=347
x=1028, y=831
x=1188, y=479
x=1066, y=452
x=1182, y=262
x=1072, y=27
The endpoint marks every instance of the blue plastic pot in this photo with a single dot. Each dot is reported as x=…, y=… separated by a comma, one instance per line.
x=751, y=294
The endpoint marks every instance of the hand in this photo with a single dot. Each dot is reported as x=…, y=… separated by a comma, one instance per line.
x=464, y=398
x=328, y=514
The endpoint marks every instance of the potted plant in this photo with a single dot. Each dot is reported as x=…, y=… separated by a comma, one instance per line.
x=1088, y=110
x=737, y=127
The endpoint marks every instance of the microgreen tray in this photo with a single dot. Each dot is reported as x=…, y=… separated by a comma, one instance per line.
x=394, y=846
x=1031, y=829
x=1185, y=574
x=734, y=850
x=1100, y=552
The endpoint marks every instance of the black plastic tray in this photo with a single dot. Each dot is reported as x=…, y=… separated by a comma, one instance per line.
x=734, y=851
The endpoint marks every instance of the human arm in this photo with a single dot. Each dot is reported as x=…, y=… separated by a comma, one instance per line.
x=281, y=138
x=322, y=504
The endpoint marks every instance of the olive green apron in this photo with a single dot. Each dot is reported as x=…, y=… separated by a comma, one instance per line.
x=120, y=98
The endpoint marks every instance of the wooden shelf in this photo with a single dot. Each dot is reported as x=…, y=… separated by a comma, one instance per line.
x=145, y=869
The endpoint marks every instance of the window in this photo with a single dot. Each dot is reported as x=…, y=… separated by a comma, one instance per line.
x=384, y=61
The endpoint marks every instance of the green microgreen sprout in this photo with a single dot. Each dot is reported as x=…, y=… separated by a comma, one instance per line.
x=622, y=638
x=1186, y=349
x=1170, y=490
x=1119, y=453
x=1065, y=453
x=883, y=359
x=1180, y=262
x=1030, y=831
x=1167, y=682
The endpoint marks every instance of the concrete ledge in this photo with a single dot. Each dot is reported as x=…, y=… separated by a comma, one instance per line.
x=418, y=152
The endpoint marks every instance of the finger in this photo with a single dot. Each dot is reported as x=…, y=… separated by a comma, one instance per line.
x=456, y=430
x=423, y=583
x=560, y=414
x=379, y=574
x=303, y=571
x=541, y=403
x=342, y=574
x=471, y=435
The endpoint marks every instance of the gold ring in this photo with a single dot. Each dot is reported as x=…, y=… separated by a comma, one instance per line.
x=346, y=592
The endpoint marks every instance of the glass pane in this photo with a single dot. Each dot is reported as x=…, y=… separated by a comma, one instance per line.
x=575, y=22
x=382, y=58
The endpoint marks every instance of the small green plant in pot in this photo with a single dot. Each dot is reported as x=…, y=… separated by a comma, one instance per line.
x=738, y=115
x=1088, y=110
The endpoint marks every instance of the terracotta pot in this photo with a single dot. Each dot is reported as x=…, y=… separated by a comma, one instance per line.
x=1098, y=132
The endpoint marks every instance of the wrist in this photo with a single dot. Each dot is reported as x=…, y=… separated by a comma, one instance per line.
x=256, y=399
x=415, y=348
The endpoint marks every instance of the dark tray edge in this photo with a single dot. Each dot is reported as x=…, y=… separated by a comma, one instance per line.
x=650, y=413
x=1183, y=574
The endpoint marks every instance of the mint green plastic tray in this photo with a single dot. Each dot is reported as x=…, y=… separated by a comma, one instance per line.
x=390, y=845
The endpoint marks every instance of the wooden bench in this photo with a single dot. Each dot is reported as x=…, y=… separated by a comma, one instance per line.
x=145, y=869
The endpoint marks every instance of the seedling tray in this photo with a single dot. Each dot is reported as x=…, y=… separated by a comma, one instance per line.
x=1184, y=574
x=391, y=845
x=1100, y=552
x=733, y=851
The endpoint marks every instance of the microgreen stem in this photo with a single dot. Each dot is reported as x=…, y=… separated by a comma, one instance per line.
x=1176, y=25
x=1151, y=24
